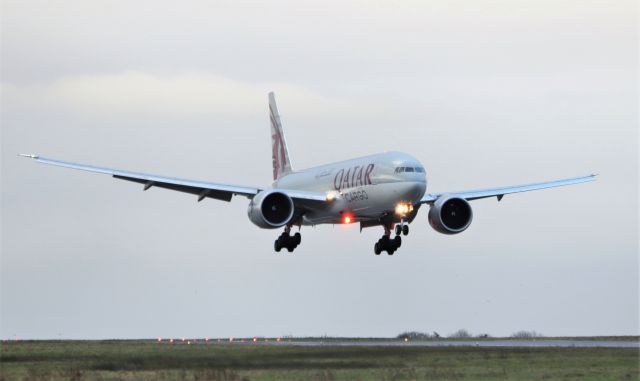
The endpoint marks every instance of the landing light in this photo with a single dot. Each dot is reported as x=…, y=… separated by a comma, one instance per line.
x=347, y=219
x=403, y=208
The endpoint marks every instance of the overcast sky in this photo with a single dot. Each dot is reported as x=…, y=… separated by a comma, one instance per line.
x=483, y=93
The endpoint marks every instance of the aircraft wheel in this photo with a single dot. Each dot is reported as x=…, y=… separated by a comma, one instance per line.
x=405, y=230
x=276, y=245
x=297, y=238
x=397, y=241
x=376, y=248
x=290, y=248
x=398, y=229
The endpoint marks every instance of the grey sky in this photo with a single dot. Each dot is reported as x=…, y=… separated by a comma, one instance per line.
x=484, y=93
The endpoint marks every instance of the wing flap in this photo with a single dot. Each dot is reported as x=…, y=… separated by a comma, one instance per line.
x=202, y=193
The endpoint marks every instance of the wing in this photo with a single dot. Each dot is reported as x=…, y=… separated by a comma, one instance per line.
x=200, y=188
x=429, y=198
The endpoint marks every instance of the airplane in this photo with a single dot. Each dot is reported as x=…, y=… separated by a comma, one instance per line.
x=385, y=189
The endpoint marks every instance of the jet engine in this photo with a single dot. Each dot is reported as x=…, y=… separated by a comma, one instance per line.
x=271, y=209
x=450, y=215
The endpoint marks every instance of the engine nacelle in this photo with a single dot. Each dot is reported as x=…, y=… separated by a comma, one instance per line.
x=271, y=209
x=450, y=215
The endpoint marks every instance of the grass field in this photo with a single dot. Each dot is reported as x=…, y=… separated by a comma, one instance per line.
x=146, y=360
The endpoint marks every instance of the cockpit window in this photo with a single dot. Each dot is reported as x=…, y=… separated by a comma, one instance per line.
x=409, y=169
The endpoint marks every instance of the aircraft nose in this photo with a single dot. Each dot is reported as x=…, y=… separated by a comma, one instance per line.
x=415, y=191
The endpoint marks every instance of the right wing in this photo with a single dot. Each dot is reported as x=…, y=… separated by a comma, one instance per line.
x=202, y=189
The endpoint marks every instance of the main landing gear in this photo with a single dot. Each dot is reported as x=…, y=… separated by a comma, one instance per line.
x=388, y=244
x=290, y=242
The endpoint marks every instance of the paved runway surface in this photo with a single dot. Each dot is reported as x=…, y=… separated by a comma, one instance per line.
x=469, y=343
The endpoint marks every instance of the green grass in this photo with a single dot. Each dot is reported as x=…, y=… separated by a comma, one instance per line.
x=145, y=360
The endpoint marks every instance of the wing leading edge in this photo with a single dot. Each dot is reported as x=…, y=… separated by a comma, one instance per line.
x=202, y=189
x=429, y=198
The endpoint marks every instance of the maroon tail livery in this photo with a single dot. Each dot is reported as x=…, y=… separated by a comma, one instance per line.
x=279, y=152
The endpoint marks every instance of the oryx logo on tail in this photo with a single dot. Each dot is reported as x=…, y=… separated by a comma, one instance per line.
x=279, y=152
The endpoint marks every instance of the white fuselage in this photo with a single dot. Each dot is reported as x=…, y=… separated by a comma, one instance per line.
x=366, y=187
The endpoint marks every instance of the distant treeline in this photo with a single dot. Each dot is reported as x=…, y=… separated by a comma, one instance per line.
x=463, y=334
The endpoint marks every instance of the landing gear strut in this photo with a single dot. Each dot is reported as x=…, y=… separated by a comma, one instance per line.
x=290, y=242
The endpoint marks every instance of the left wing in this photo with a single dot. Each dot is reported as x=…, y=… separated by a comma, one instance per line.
x=430, y=198
x=202, y=189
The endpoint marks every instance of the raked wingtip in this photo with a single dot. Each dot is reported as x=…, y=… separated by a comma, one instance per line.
x=31, y=156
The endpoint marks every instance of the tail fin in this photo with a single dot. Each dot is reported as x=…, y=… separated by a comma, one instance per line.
x=279, y=152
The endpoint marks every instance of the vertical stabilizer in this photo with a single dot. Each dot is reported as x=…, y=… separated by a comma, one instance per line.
x=279, y=152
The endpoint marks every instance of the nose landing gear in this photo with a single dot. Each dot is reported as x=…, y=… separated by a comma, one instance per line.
x=290, y=242
x=402, y=228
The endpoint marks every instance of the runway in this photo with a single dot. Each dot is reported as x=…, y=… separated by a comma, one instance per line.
x=468, y=343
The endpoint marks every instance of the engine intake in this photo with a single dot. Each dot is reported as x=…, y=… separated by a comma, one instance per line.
x=450, y=215
x=271, y=209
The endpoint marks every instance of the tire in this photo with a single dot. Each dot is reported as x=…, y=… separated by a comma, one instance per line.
x=276, y=246
x=290, y=248
x=297, y=238
x=398, y=229
x=397, y=241
x=376, y=248
x=405, y=230
x=391, y=250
